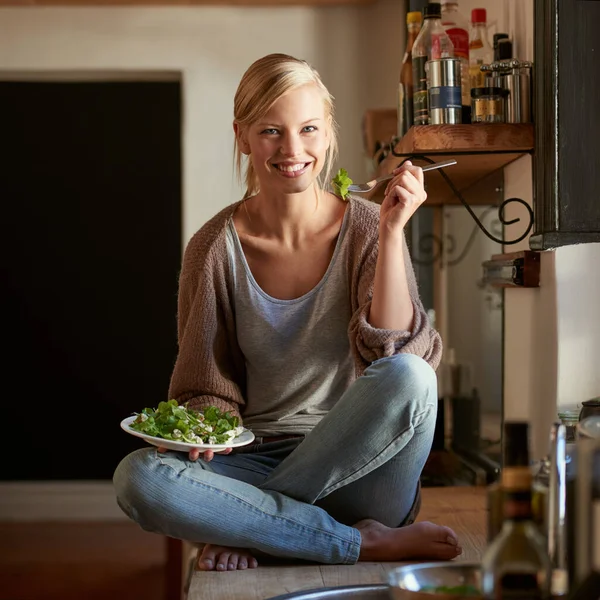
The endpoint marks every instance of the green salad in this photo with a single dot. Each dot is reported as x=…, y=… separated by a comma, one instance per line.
x=463, y=590
x=173, y=422
x=340, y=183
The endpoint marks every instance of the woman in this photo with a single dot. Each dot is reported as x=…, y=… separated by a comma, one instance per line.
x=299, y=312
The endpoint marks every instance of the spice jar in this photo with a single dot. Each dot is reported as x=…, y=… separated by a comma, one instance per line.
x=487, y=105
x=589, y=408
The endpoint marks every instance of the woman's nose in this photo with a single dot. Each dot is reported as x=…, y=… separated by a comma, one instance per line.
x=291, y=145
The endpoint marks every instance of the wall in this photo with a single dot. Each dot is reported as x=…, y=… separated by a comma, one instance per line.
x=475, y=320
x=211, y=47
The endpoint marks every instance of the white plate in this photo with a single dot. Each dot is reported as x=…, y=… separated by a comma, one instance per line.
x=245, y=438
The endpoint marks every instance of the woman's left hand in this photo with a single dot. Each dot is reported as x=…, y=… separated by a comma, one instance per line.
x=403, y=195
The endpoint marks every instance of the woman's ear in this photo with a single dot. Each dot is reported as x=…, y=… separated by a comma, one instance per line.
x=240, y=136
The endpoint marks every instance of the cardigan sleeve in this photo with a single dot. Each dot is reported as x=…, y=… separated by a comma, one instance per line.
x=371, y=343
x=209, y=369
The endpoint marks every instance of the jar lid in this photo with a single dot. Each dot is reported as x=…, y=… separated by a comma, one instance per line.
x=414, y=16
x=488, y=91
x=592, y=402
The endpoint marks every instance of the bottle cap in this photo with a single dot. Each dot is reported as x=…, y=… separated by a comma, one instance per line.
x=516, y=444
x=433, y=10
x=478, y=15
x=414, y=16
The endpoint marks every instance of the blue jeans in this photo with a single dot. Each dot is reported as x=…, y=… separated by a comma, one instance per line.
x=298, y=498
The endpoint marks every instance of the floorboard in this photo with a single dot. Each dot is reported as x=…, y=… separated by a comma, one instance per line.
x=71, y=561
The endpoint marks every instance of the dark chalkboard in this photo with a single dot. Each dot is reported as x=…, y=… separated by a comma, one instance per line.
x=90, y=252
x=567, y=116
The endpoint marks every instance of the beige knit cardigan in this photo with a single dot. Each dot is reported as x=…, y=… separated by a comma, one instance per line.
x=210, y=369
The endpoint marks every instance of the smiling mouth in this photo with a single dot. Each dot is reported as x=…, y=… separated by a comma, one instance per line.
x=289, y=170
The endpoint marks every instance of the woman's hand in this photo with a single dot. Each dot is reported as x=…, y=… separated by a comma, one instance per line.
x=195, y=453
x=403, y=195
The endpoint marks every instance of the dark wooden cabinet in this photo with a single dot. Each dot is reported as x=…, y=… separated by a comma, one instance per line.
x=566, y=166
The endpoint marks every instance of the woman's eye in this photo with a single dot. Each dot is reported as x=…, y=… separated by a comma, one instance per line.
x=270, y=131
x=309, y=129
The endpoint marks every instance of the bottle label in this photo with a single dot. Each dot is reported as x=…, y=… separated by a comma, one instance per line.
x=519, y=586
x=438, y=48
x=444, y=96
x=420, y=110
x=460, y=40
x=405, y=108
x=476, y=75
x=596, y=532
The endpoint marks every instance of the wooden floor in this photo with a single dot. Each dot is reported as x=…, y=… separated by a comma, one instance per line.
x=461, y=508
x=75, y=561
x=114, y=561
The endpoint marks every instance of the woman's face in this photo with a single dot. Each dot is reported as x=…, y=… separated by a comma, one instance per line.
x=288, y=145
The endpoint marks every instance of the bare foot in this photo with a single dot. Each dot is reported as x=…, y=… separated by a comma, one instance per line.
x=417, y=541
x=221, y=558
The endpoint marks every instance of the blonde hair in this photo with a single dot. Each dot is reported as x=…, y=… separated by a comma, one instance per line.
x=265, y=81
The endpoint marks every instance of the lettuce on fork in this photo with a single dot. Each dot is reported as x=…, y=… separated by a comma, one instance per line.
x=340, y=183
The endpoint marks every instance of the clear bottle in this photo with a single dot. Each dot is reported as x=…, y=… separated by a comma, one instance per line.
x=432, y=43
x=405, y=85
x=457, y=27
x=516, y=564
x=480, y=50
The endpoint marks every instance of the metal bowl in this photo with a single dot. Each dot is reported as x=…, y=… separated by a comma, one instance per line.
x=419, y=582
x=356, y=592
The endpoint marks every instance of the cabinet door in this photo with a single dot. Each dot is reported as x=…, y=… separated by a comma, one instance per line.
x=567, y=123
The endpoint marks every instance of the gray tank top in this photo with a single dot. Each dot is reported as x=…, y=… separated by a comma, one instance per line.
x=298, y=359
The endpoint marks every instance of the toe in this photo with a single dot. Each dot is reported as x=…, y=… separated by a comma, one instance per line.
x=252, y=563
x=449, y=535
x=223, y=561
x=206, y=561
x=233, y=562
x=447, y=551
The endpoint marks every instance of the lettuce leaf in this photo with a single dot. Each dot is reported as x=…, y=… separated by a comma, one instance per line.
x=173, y=422
x=340, y=183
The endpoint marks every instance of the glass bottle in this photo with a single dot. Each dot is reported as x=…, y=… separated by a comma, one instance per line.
x=431, y=43
x=516, y=564
x=480, y=51
x=569, y=417
x=405, y=85
x=496, y=39
x=457, y=28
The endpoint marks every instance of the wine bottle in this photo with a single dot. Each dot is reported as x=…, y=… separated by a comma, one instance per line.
x=516, y=564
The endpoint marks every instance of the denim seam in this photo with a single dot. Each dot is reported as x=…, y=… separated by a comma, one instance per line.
x=255, y=509
x=340, y=483
x=242, y=467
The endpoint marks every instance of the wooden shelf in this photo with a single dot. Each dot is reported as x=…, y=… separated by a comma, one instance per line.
x=479, y=149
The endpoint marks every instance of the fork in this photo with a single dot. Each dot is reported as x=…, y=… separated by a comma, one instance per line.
x=358, y=188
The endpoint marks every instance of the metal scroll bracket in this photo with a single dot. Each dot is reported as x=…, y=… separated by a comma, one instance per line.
x=501, y=207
